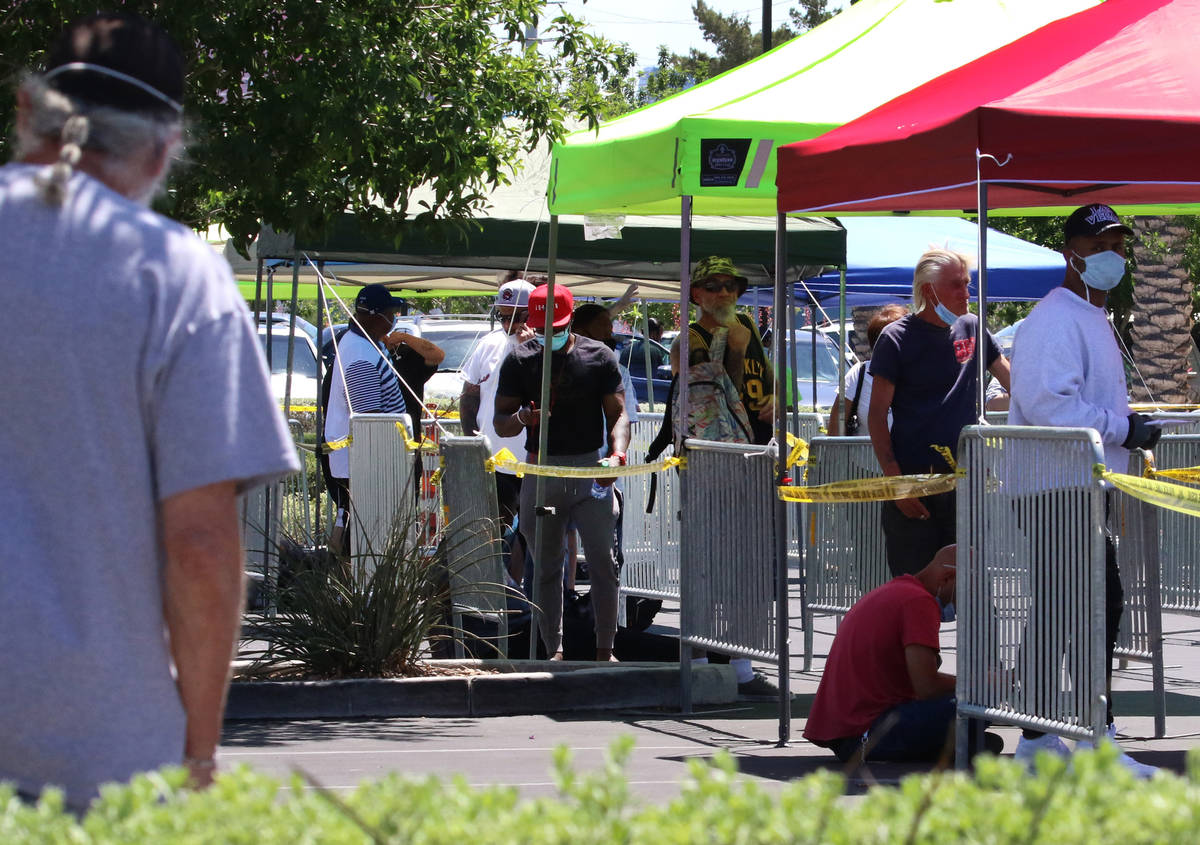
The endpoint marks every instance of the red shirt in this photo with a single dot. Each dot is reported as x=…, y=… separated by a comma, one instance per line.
x=866, y=673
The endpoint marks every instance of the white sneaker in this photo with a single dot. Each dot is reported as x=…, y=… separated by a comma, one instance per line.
x=1028, y=749
x=1143, y=771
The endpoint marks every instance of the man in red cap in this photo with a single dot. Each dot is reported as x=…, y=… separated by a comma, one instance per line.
x=587, y=408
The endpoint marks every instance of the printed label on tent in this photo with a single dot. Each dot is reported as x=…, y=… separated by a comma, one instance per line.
x=722, y=161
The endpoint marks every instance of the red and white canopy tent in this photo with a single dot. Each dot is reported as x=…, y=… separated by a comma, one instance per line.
x=1102, y=106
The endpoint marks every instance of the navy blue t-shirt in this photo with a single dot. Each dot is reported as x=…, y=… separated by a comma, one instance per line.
x=935, y=374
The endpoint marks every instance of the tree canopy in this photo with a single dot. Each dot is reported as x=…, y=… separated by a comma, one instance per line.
x=299, y=110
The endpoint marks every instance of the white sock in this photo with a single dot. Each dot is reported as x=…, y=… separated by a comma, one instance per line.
x=741, y=665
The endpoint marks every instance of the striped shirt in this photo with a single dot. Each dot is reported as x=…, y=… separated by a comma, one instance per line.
x=373, y=389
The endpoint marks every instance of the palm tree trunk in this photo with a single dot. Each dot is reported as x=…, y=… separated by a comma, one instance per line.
x=1162, y=311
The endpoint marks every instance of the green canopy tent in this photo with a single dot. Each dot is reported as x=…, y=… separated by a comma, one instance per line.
x=716, y=141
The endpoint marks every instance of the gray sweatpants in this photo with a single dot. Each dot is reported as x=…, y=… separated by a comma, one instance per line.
x=595, y=519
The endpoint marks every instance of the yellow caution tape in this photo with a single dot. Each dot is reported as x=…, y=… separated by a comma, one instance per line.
x=1150, y=406
x=334, y=445
x=302, y=409
x=882, y=489
x=506, y=460
x=946, y=454
x=1189, y=475
x=413, y=445
x=1162, y=494
x=799, y=453
x=436, y=478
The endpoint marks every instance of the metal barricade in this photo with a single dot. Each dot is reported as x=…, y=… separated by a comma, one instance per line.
x=727, y=556
x=1179, y=534
x=996, y=417
x=473, y=538
x=381, y=481
x=1030, y=596
x=845, y=554
x=260, y=511
x=650, y=541
x=1134, y=525
x=807, y=425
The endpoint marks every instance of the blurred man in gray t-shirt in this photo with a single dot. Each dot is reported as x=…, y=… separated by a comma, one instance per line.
x=137, y=406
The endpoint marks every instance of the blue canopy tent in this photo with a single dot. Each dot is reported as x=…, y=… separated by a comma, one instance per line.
x=881, y=253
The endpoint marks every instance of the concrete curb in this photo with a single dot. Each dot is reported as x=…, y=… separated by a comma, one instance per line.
x=525, y=689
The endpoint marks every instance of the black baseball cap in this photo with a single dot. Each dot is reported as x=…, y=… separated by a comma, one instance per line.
x=118, y=60
x=1092, y=220
x=378, y=300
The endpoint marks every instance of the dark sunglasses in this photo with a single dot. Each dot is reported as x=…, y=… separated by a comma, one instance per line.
x=717, y=287
x=516, y=316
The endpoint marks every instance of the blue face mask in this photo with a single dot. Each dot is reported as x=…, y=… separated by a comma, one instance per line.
x=944, y=314
x=1102, y=271
x=557, y=340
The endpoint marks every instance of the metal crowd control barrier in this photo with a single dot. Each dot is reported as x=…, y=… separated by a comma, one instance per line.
x=475, y=555
x=381, y=481
x=650, y=541
x=807, y=426
x=1030, y=597
x=260, y=510
x=845, y=555
x=1134, y=524
x=1179, y=534
x=728, y=572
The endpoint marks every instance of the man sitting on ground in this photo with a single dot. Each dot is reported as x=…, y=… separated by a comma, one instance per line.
x=881, y=691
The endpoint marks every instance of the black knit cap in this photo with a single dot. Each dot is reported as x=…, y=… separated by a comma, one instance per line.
x=127, y=44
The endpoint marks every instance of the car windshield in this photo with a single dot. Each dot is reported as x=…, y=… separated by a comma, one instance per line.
x=457, y=343
x=304, y=363
x=827, y=364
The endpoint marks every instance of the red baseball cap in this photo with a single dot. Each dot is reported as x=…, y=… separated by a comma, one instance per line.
x=564, y=304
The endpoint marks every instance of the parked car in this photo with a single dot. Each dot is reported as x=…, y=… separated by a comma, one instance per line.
x=631, y=352
x=456, y=335
x=304, y=363
x=276, y=319
x=827, y=369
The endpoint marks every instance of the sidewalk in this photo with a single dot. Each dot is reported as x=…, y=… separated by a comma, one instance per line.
x=517, y=750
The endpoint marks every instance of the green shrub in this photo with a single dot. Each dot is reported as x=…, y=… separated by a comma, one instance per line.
x=374, y=615
x=1093, y=801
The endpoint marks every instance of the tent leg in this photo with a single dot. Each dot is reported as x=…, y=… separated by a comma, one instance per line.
x=685, y=292
x=539, y=497
x=783, y=642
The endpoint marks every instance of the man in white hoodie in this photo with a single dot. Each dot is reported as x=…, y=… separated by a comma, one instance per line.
x=1067, y=371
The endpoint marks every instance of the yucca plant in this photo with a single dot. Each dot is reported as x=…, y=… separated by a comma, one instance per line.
x=372, y=615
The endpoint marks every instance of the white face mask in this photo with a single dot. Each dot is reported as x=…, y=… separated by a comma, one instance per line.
x=1102, y=271
x=944, y=314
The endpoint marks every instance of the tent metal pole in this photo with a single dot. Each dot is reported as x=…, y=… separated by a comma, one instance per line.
x=981, y=328
x=977, y=543
x=788, y=318
x=841, y=350
x=539, y=489
x=321, y=306
x=783, y=642
x=812, y=323
x=291, y=343
x=685, y=293
x=646, y=365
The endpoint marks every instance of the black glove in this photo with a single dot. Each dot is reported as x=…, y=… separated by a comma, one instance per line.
x=1141, y=434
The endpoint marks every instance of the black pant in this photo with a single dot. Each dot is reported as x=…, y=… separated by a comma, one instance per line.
x=912, y=543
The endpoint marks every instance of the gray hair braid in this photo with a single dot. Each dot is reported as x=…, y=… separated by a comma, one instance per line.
x=53, y=182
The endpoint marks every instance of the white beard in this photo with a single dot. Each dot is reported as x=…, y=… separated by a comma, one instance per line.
x=723, y=314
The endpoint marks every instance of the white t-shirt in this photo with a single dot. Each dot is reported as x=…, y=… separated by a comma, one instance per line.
x=864, y=400
x=482, y=367
x=363, y=368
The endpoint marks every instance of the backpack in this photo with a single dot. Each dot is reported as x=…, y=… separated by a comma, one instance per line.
x=715, y=409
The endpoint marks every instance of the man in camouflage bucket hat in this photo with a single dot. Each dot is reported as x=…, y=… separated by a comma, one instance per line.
x=716, y=286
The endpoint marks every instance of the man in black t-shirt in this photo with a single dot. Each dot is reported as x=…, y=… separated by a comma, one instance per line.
x=586, y=415
x=923, y=369
x=716, y=286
